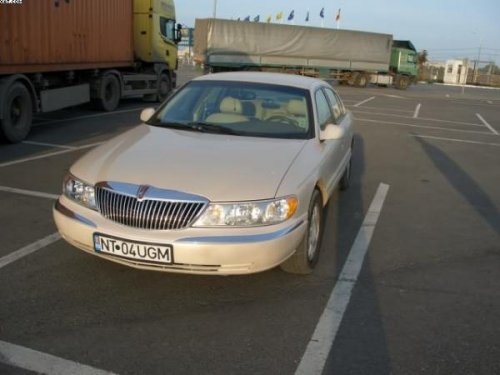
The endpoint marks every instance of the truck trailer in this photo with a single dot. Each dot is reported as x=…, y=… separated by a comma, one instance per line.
x=352, y=57
x=60, y=53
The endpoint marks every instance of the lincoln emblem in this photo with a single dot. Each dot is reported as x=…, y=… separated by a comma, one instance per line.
x=141, y=192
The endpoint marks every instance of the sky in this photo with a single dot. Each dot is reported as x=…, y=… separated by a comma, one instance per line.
x=445, y=28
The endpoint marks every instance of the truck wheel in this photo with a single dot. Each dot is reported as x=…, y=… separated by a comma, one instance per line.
x=402, y=82
x=18, y=112
x=353, y=79
x=109, y=93
x=361, y=80
x=164, y=87
x=306, y=256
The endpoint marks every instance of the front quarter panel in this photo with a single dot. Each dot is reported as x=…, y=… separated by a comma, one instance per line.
x=303, y=176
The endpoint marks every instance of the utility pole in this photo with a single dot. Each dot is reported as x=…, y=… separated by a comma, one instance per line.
x=476, y=64
x=215, y=8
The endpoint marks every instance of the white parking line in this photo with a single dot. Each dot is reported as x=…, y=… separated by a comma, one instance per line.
x=417, y=110
x=317, y=351
x=455, y=140
x=19, y=161
x=30, y=193
x=363, y=101
x=28, y=249
x=48, y=144
x=385, y=109
x=43, y=363
x=421, y=126
x=89, y=116
x=486, y=124
x=394, y=96
x=418, y=118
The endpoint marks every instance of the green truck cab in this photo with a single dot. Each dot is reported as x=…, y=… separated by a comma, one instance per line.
x=403, y=62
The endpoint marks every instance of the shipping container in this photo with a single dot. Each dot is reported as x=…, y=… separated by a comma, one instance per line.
x=50, y=35
x=56, y=54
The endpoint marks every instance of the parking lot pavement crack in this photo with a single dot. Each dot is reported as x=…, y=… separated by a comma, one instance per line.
x=446, y=260
x=411, y=288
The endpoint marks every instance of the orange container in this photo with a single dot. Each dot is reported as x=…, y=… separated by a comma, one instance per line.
x=56, y=35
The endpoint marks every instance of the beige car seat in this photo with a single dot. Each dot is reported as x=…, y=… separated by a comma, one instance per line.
x=297, y=110
x=230, y=110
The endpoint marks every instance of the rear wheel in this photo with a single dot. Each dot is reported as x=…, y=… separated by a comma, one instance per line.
x=109, y=93
x=306, y=256
x=353, y=79
x=18, y=113
x=361, y=80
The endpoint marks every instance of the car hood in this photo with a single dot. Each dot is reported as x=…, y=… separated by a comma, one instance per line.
x=218, y=167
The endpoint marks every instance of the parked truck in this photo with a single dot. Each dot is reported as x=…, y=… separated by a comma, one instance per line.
x=352, y=57
x=61, y=53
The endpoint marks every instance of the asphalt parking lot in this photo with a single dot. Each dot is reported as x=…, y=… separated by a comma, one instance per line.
x=426, y=300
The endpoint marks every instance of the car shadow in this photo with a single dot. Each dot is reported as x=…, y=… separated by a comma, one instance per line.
x=360, y=346
x=463, y=184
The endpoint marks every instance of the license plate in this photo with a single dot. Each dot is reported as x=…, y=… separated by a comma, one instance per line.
x=142, y=251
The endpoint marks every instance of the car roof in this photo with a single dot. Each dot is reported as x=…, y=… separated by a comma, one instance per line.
x=282, y=79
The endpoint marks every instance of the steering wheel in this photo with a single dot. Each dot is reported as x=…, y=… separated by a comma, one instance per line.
x=283, y=119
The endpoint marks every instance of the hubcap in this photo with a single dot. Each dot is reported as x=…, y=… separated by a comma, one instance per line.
x=313, y=235
x=15, y=111
x=108, y=95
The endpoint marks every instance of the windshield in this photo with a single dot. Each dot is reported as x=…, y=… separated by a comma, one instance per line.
x=239, y=108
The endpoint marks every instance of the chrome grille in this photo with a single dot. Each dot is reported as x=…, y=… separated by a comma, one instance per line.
x=153, y=214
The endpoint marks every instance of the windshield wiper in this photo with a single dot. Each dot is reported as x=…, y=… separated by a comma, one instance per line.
x=174, y=125
x=202, y=127
x=211, y=128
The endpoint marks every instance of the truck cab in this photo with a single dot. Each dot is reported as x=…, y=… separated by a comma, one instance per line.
x=403, y=62
x=155, y=32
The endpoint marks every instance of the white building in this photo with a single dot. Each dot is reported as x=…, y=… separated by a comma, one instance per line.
x=456, y=71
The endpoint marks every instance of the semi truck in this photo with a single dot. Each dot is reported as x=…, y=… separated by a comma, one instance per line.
x=352, y=57
x=61, y=53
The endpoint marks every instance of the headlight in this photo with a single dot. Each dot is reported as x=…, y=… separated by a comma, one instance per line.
x=79, y=191
x=248, y=213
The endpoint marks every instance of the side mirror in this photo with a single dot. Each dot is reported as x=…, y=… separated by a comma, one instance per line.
x=146, y=114
x=331, y=132
x=178, y=33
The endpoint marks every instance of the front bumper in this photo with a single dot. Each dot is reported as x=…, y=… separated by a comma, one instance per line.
x=221, y=251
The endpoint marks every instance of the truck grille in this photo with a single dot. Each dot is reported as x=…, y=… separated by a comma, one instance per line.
x=147, y=213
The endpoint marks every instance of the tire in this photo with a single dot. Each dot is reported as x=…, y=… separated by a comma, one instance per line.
x=403, y=82
x=164, y=87
x=353, y=79
x=18, y=113
x=306, y=256
x=361, y=80
x=109, y=93
x=345, y=180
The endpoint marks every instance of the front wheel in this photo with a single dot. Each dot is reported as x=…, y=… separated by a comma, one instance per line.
x=306, y=256
x=18, y=113
x=403, y=82
x=164, y=87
